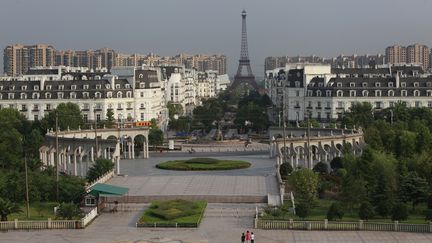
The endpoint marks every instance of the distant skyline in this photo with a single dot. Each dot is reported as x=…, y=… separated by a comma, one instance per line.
x=168, y=27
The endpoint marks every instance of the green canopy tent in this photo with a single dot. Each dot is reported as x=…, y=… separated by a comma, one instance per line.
x=103, y=190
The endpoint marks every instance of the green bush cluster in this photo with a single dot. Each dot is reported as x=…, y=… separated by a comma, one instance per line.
x=173, y=209
x=202, y=161
x=200, y=164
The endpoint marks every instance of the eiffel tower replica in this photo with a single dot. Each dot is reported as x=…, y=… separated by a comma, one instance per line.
x=244, y=74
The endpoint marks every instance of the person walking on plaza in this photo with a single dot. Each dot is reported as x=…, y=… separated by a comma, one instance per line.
x=243, y=238
x=248, y=236
x=252, y=237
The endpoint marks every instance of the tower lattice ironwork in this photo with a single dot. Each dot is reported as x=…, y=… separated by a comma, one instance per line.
x=244, y=71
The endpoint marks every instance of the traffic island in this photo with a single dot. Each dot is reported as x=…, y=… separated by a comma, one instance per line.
x=202, y=164
x=177, y=213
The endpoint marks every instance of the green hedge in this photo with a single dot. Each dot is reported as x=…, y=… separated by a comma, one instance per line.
x=201, y=164
x=173, y=213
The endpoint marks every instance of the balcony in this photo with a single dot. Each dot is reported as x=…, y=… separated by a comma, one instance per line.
x=35, y=110
x=328, y=108
x=319, y=107
x=297, y=106
x=24, y=110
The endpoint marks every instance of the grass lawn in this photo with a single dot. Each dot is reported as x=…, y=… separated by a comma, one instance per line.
x=38, y=211
x=203, y=164
x=169, y=213
x=320, y=213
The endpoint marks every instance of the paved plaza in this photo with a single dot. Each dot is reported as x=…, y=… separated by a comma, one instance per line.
x=142, y=178
x=120, y=227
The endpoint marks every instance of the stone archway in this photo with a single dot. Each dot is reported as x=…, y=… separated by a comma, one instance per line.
x=141, y=145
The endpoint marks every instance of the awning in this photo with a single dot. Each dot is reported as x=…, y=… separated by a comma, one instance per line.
x=106, y=189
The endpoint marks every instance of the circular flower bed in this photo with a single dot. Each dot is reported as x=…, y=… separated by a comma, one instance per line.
x=203, y=164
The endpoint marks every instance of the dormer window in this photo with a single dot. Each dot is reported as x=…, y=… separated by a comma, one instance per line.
x=377, y=84
x=429, y=93
x=320, y=84
x=98, y=95
x=11, y=96
x=127, y=86
x=378, y=93
x=339, y=84
x=390, y=93
x=416, y=93
x=23, y=96
x=73, y=87
x=107, y=86
x=24, y=87
x=297, y=84
x=36, y=87
x=352, y=93
x=117, y=86
x=98, y=86
x=48, y=87
x=403, y=84
x=73, y=95
x=119, y=94
x=61, y=87
x=416, y=84
x=85, y=95
x=129, y=94
x=60, y=95
x=12, y=87
x=35, y=96
x=364, y=84
x=365, y=93
x=404, y=93
x=339, y=93
x=47, y=95
x=390, y=84
x=429, y=84
x=142, y=85
x=309, y=93
x=352, y=84
x=85, y=86
x=328, y=93
x=109, y=95
x=318, y=93
x=1, y=87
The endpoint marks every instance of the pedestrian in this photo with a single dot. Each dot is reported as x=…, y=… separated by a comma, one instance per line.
x=252, y=237
x=248, y=236
x=243, y=237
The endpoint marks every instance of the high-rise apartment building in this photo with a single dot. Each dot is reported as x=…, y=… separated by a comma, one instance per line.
x=17, y=59
x=412, y=54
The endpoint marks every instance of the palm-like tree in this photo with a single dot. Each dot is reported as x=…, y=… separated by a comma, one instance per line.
x=7, y=207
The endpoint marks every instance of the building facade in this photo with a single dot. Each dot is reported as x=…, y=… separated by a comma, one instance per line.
x=324, y=93
x=412, y=54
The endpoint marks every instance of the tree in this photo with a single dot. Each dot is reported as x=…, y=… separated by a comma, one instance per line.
x=110, y=118
x=285, y=169
x=174, y=109
x=428, y=214
x=69, y=116
x=7, y=207
x=321, y=168
x=68, y=211
x=353, y=191
x=99, y=168
x=253, y=113
x=360, y=114
x=383, y=208
x=405, y=144
x=400, y=212
x=335, y=211
x=366, y=211
x=155, y=136
x=413, y=189
x=305, y=184
x=10, y=148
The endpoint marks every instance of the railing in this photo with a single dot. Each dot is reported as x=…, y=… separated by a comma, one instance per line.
x=89, y=217
x=40, y=224
x=341, y=226
x=102, y=179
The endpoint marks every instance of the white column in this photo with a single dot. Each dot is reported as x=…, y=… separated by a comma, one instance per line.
x=80, y=160
x=75, y=172
x=133, y=150
x=105, y=153
x=68, y=163
x=129, y=150
x=118, y=164
x=91, y=154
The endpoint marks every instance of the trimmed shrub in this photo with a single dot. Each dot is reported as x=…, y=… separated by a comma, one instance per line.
x=335, y=212
x=366, y=211
x=202, y=161
x=173, y=209
x=336, y=163
x=383, y=208
x=302, y=210
x=428, y=214
x=399, y=212
x=285, y=169
x=321, y=168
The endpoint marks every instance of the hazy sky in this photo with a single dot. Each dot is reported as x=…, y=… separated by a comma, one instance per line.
x=167, y=27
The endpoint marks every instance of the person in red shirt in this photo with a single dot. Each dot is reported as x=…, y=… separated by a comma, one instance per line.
x=248, y=236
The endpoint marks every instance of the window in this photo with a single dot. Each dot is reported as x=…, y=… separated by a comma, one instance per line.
x=23, y=107
x=85, y=86
x=36, y=117
x=35, y=96
x=119, y=106
x=297, y=93
x=36, y=87
x=24, y=87
x=142, y=106
x=297, y=84
x=339, y=93
x=73, y=87
x=364, y=84
x=417, y=104
x=90, y=201
x=109, y=95
x=310, y=104
x=352, y=84
x=430, y=104
x=352, y=93
x=378, y=105
x=319, y=105
x=127, y=86
x=142, y=116
x=60, y=95
x=328, y=105
x=416, y=93
x=48, y=107
x=142, y=85
x=391, y=104
x=403, y=84
x=416, y=84
x=339, y=84
x=11, y=96
x=85, y=95
x=429, y=93
x=48, y=87
x=309, y=93
x=98, y=86
x=73, y=95
x=390, y=84
x=23, y=96
x=340, y=104
x=365, y=93
x=98, y=95
x=85, y=118
x=390, y=93
x=35, y=107
x=98, y=117
x=318, y=93
x=142, y=94
x=328, y=93
x=119, y=94
x=429, y=84
x=403, y=93
x=61, y=87
x=117, y=86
